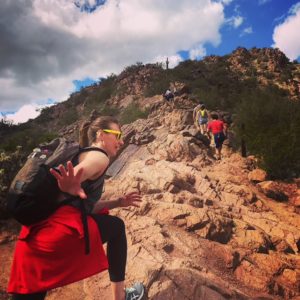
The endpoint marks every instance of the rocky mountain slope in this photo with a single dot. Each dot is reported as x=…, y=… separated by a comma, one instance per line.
x=206, y=229
x=215, y=78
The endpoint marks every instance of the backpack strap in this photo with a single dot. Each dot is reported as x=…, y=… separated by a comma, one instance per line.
x=83, y=220
x=86, y=234
x=86, y=149
x=82, y=207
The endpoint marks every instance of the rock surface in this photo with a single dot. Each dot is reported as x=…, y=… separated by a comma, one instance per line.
x=204, y=229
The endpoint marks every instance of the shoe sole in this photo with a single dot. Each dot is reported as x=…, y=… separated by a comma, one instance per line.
x=142, y=294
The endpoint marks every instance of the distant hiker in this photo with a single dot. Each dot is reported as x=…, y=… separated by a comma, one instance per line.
x=195, y=111
x=217, y=128
x=202, y=119
x=195, y=115
x=50, y=253
x=168, y=95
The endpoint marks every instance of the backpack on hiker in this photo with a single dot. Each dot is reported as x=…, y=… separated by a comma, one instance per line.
x=202, y=116
x=33, y=194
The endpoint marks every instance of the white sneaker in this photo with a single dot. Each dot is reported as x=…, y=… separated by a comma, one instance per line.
x=136, y=292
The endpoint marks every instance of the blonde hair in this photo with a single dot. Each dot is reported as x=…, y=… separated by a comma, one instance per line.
x=88, y=130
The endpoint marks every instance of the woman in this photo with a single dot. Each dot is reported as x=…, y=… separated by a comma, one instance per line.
x=51, y=254
x=202, y=119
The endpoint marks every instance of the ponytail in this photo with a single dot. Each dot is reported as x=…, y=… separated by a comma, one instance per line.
x=83, y=134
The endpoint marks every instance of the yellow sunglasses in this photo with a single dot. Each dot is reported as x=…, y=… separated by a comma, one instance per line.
x=117, y=133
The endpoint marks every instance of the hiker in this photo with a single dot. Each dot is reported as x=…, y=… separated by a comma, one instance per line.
x=195, y=111
x=50, y=253
x=168, y=95
x=202, y=119
x=216, y=126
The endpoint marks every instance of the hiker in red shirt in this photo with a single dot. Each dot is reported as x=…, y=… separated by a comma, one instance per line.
x=217, y=128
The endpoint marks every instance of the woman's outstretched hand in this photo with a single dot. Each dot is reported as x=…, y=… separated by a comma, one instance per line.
x=131, y=199
x=67, y=181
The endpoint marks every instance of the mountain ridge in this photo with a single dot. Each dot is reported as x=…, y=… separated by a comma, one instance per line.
x=269, y=66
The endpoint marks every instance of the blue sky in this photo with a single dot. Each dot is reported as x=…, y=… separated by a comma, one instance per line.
x=50, y=49
x=262, y=17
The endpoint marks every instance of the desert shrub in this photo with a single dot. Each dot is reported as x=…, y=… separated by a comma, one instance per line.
x=10, y=163
x=69, y=117
x=108, y=110
x=270, y=126
x=45, y=115
x=106, y=89
x=158, y=85
x=285, y=75
x=131, y=113
x=120, y=91
x=89, y=107
x=134, y=68
x=28, y=138
x=269, y=75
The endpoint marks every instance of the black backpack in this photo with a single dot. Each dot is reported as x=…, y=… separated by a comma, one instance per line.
x=33, y=193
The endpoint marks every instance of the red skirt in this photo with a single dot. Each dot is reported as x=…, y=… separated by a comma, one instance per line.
x=51, y=253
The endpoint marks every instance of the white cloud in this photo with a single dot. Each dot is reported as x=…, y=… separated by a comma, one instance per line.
x=262, y=2
x=173, y=60
x=45, y=45
x=295, y=8
x=235, y=21
x=238, y=21
x=247, y=30
x=197, y=52
x=225, y=2
x=286, y=36
x=26, y=112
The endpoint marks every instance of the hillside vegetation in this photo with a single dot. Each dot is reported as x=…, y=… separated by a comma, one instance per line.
x=259, y=87
x=205, y=228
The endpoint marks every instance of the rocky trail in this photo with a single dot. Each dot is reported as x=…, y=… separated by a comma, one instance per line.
x=206, y=229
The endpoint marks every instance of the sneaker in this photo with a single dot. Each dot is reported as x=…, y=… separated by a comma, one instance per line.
x=136, y=292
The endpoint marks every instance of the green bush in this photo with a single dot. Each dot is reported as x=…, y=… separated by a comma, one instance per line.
x=69, y=117
x=131, y=113
x=10, y=163
x=271, y=131
x=97, y=99
x=134, y=68
x=109, y=111
x=28, y=138
x=158, y=85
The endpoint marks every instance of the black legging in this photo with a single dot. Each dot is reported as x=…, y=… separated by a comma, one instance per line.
x=112, y=230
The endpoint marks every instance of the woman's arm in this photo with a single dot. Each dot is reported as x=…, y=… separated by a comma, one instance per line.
x=131, y=199
x=93, y=163
x=91, y=166
x=110, y=204
x=68, y=181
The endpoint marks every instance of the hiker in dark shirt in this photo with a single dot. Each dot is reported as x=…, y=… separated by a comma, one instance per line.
x=168, y=95
x=50, y=253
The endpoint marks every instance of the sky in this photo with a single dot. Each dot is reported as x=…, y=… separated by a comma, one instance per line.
x=51, y=48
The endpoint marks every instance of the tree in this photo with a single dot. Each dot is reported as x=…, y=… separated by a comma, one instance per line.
x=271, y=131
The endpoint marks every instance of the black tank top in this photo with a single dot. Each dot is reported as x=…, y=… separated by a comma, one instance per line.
x=92, y=188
